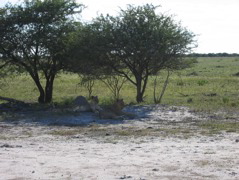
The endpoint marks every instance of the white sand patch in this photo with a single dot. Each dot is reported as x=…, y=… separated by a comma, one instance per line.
x=47, y=157
x=28, y=150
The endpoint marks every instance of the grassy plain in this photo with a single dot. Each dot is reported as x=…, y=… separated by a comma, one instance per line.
x=211, y=84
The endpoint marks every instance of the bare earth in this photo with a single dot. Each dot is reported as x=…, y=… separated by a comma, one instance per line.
x=162, y=143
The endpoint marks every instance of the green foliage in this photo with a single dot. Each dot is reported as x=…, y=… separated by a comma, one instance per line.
x=66, y=101
x=34, y=37
x=42, y=38
x=136, y=43
x=202, y=82
x=87, y=50
x=225, y=100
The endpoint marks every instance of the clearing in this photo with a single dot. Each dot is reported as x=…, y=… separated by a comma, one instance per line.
x=164, y=142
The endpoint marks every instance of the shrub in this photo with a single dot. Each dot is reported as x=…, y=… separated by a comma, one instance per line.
x=225, y=100
x=202, y=82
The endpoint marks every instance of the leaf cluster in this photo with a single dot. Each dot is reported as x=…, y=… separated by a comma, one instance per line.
x=35, y=32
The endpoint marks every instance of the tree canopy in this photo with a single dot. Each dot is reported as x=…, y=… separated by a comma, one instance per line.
x=135, y=44
x=33, y=36
x=41, y=37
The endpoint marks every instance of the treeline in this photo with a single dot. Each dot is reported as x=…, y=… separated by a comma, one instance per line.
x=213, y=55
x=43, y=38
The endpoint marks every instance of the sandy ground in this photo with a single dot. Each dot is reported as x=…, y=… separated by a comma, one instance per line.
x=162, y=143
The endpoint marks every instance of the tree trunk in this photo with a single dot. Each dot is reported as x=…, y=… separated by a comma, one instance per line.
x=45, y=96
x=164, y=88
x=139, y=97
x=48, y=93
x=157, y=100
x=141, y=83
x=49, y=89
x=41, y=98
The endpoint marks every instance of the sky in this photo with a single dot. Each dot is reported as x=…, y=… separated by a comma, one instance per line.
x=215, y=22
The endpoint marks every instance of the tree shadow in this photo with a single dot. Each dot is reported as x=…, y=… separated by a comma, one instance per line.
x=49, y=118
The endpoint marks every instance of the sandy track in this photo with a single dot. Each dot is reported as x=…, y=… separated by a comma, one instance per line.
x=37, y=152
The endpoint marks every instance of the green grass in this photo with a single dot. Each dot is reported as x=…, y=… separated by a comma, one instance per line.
x=209, y=85
x=215, y=127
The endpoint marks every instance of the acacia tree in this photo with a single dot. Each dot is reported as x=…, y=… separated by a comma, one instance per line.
x=138, y=43
x=33, y=36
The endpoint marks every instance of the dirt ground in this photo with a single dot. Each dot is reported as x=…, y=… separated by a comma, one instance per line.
x=161, y=143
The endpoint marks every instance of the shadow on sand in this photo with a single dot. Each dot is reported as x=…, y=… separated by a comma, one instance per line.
x=51, y=118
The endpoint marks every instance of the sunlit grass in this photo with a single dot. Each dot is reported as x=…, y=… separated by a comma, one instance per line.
x=210, y=84
x=214, y=127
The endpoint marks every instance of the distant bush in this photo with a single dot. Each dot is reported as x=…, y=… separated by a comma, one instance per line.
x=234, y=104
x=189, y=100
x=67, y=101
x=213, y=55
x=202, y=82
x=225, y=100
x=236, y=74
